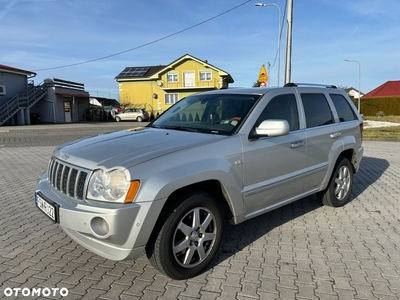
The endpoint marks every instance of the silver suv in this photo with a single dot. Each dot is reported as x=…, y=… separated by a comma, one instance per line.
x=228, y=155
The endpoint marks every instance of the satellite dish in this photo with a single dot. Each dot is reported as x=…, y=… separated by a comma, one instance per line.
x=159, y=83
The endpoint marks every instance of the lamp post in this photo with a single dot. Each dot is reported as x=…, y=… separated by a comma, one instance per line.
x=359, y=81
x=279, y=35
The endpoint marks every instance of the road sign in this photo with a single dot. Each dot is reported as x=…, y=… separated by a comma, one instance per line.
x=263, y=84
x=263, y=76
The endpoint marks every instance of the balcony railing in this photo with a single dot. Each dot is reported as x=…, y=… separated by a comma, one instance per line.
x=191, y=84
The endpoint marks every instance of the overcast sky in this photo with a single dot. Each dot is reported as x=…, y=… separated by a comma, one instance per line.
x=50, y=34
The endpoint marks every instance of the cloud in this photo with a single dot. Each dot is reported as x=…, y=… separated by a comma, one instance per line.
x=7, y=8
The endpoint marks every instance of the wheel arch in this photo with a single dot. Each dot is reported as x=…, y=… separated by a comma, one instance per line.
x=346, y=153
x=350, y=155
x=212, y=187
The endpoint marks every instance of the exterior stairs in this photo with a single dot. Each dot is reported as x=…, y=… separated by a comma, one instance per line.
x=26, y=99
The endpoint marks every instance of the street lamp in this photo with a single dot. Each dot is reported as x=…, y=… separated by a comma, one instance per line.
x=279, y=35
x=359, y=81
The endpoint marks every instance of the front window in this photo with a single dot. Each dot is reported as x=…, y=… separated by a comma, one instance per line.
x=171, y=98
x=215, y=113
x=205, y=75
x=172, y=77
x=282, y=107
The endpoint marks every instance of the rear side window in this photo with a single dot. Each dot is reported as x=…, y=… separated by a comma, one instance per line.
x=343, y=108
x=317, y=110
x=283, y=107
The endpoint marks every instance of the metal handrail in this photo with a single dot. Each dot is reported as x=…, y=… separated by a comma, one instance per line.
x=27, y=98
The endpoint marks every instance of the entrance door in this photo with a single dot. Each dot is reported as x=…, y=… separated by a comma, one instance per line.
x=189, y=79
x=67, y=112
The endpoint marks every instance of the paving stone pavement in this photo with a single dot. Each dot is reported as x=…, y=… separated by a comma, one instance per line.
x=301, y=251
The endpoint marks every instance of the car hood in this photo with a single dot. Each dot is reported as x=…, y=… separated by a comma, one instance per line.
x=129, y=147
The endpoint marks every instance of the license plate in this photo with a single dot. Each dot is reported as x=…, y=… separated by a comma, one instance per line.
x=49, y=209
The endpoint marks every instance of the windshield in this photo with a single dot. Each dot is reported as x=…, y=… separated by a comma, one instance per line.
x=208, y=113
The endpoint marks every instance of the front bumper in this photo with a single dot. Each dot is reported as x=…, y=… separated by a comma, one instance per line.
x=111, y=230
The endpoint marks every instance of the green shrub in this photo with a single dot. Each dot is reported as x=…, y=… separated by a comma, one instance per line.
x=379, y=105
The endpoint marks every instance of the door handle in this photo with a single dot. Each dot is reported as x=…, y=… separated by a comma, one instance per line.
x=297, y=144
x=335, y=135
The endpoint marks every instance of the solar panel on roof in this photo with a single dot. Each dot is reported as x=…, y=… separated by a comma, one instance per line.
x=134, y=72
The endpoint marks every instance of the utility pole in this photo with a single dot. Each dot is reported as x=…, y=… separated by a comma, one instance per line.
x=289, y=41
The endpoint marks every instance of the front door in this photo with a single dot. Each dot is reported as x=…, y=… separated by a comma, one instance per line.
x=275, y=167
x=67, y=112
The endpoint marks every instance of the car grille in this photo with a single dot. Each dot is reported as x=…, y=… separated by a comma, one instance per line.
x=68, y=179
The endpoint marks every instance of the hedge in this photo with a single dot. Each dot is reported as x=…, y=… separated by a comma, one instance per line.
x=379, y=106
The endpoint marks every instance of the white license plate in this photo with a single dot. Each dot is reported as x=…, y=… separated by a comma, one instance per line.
x=49, y=209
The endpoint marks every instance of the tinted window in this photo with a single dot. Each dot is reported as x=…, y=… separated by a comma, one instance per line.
x=343, y=108
x=317, y=110
x=283, y=107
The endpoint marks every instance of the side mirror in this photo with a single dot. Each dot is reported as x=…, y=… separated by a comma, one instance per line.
x=271, y=128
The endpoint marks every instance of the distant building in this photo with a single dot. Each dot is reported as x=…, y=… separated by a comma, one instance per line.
x=17, y=95
x=65, y=102
x=156, y=88
x=388, y=89
x=352, y=92
x=52, y=101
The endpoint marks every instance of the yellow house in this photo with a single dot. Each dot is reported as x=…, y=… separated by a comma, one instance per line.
x=156, y=88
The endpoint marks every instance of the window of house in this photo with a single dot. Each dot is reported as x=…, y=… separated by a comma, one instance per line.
x=171, y=98
x=317, y=110
x=205, y=76
x=172, y=77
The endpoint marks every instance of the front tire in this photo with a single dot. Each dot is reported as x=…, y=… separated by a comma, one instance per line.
x=188, y=236
x=338, y=191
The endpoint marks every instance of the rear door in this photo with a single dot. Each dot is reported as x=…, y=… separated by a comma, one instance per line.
x=322, y=133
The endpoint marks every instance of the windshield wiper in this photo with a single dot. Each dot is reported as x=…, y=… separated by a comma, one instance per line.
x=179, y=128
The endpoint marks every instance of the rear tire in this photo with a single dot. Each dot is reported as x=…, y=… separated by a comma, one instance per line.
x=118, y=119
x=188, y=236
x=139, y=119
x=339, y=188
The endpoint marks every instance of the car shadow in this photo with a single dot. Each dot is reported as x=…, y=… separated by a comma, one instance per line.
x=238, y=237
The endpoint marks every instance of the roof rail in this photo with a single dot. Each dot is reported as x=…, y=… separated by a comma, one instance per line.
x=292, y=84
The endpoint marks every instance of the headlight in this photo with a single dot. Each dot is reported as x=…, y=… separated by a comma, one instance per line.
x=110, y=186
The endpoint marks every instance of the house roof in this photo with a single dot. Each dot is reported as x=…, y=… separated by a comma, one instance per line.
x=351, y=89
x=9, y=69
x=149, y=71
x=105, y=101
x=389, y=88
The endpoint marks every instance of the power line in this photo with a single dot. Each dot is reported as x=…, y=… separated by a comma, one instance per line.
x=280, y=33
x=146, y=44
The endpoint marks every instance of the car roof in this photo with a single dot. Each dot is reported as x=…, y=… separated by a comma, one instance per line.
x=263, y=91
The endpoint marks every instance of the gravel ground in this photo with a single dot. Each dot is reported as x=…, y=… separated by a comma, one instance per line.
x=375, y=124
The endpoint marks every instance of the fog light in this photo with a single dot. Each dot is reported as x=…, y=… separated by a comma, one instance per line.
x=99, y=226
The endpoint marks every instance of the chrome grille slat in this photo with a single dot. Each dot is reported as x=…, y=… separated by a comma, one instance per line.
x=68, y=179
x=58, y=176
x=74, y=183
x=53, y=173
